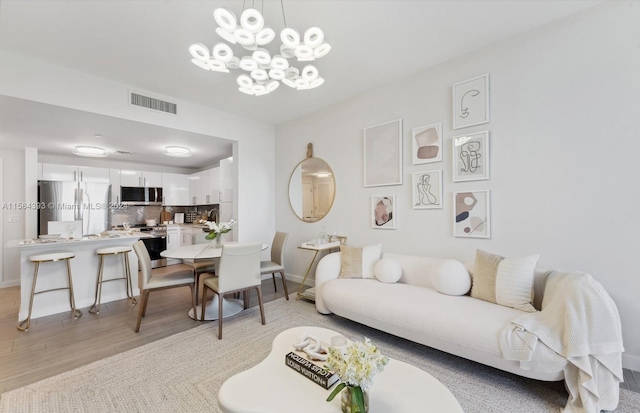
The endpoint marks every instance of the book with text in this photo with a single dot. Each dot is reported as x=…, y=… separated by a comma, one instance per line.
x=311, y=370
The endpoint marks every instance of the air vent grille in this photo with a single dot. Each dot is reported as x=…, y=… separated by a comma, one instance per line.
x=124, y=152
x=152, y=103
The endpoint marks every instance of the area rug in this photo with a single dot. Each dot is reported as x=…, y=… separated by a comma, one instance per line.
x=184, y=372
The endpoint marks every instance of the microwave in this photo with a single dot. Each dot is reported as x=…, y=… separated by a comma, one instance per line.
x=135, y=195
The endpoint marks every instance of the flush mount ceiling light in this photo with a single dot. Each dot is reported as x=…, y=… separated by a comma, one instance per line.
x=264, y=70
x=179, y=151
x=93, y=151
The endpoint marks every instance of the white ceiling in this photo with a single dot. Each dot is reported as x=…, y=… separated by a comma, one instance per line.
x=145, y=44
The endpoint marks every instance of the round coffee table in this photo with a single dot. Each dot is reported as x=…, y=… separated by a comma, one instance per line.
x=271, y=386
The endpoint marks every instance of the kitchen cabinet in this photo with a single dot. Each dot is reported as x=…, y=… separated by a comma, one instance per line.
x=226, y=180
x=204, y=187
x=72, y=173
x=175, y=189
x=173, y=242
x=140, y=178
x=114, y=179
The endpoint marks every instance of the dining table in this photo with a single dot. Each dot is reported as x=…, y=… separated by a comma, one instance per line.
x=207, y=251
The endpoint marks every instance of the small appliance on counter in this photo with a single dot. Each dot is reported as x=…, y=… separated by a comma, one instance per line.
x=178, y=217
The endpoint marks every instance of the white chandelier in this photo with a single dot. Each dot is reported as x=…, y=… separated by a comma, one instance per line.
x=264, y=72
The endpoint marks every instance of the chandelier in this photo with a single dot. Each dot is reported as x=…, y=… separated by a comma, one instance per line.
x=263, y=71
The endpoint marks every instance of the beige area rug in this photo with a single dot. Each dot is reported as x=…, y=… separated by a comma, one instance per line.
x=183, y=373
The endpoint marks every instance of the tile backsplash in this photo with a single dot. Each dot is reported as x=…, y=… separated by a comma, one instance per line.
x=138, y=214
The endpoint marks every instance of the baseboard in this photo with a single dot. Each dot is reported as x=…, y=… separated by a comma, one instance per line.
x=7, y=284
x=298, y=279
x=630, y=362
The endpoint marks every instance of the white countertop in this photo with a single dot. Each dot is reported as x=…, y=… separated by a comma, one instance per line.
x=24, y=243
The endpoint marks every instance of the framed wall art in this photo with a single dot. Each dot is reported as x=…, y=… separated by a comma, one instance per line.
x=427, y=144
x=472, y=214
x=471, y=157
x=383, y=154
x=471, y=102
x=427, y=190
x=383, y=215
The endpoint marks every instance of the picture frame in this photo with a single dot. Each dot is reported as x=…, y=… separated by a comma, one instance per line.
x=471, y=102
x=383, y=154
x=427, y=190
x=472, y=214
x=471, y=157
x=427, y=144
x=383, y=212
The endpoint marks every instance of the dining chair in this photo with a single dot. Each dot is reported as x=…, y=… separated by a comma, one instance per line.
x=239, y=271
x=277, y=260
x=159, y=279
x=201, y=267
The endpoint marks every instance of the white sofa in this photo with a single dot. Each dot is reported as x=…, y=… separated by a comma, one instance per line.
x=413, y=309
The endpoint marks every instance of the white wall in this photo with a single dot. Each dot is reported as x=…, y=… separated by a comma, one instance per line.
x=565, y=103
x=26, y=78
x=13, y=197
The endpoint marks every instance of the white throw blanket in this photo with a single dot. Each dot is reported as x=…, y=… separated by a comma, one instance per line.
x=580, y=322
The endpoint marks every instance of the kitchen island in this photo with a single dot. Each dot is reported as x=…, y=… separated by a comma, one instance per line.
x=84, y=269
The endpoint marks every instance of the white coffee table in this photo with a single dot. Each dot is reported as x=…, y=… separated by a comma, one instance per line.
x=271, y=386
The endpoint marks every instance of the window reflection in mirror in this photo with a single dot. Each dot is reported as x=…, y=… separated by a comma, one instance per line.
x=312, y=189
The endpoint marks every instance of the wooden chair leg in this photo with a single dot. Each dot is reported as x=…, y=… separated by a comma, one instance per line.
x=143, y=307
x=193, y=301
x=273, y=277
x=202, y=303
x=261, y=304
x=284, y=283
x=219, y=317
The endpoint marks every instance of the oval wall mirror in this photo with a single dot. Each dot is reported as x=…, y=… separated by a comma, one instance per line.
x=312, y=189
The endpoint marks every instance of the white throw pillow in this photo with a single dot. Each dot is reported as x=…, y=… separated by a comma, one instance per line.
x=450, y=277
x=504, y=281
x=359, y=262
x=387, y=271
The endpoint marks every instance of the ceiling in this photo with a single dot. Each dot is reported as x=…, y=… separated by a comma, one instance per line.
x=145, y=44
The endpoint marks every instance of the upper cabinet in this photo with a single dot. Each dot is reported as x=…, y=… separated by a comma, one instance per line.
x=55, y=172
x=140, y=178
x=175, y=189
x=226, y=180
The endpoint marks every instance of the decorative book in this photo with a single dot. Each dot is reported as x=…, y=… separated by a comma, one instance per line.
x=311, y=370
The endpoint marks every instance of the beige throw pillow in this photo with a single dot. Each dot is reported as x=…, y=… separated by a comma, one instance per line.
x=359, y=262
x=504, y=281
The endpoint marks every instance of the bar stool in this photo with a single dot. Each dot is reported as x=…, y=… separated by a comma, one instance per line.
x=115, y=251
x=50, y=257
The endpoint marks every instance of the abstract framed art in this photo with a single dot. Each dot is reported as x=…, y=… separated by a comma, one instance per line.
x=383, y=214
x=427, y=190
x=471, y=102
x=427, y=144
x=471, y=157
x=472, y=214
x=383, y=154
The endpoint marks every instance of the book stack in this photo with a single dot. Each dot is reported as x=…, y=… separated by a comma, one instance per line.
x=311, y=370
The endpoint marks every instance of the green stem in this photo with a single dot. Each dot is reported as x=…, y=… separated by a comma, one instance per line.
x=336, y=391
x=357, y=399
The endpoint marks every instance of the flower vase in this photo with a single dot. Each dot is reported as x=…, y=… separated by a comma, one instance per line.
x=348, y=403
x=218, y=241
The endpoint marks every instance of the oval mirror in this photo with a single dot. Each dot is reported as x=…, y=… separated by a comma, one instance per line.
x=312, y=188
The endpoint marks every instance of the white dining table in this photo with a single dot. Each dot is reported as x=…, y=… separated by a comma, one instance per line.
x=230, y=306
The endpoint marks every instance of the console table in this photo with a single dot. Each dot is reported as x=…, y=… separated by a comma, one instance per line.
x=310, y=293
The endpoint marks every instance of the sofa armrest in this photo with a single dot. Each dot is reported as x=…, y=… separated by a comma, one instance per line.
x=328, y=269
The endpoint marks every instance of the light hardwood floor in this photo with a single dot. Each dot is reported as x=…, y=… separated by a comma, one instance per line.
x=59, y=343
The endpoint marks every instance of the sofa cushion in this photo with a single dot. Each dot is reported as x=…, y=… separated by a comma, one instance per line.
x=504, y=281
x=359, y=262
x=450, y=277
x=387, y=270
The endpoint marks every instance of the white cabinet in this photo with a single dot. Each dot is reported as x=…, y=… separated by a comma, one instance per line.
x=114, y=178
x=55, y=172
x=175, y=189
x=140, y=178
x=204, y=187
x=226, y=180
x=173, y=241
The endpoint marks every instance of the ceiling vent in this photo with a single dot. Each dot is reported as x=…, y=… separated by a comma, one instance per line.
x=124, y=153
x=153, y=103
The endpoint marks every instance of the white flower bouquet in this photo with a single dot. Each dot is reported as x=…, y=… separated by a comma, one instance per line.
x=217, y=228
x=356, y=367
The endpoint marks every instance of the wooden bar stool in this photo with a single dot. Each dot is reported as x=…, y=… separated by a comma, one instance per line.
x=115, y=251
x=50, y=257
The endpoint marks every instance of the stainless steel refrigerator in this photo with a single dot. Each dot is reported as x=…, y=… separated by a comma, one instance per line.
x=88, y=202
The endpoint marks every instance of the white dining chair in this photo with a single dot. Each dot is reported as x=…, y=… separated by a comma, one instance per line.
x=276, y=265
x=159, y=279
x=239, y=271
